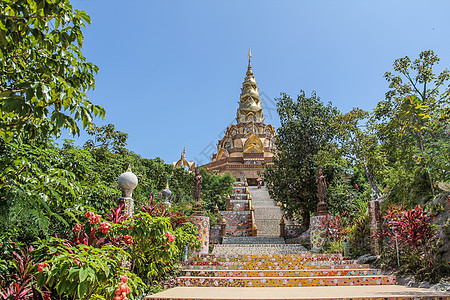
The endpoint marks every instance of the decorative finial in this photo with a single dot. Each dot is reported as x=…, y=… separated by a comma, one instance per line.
x=129, y=168
x=183, y=154
x=249, y=68
x=167, y=184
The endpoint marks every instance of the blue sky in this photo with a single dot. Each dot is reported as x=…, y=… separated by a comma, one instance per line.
x=171, y=71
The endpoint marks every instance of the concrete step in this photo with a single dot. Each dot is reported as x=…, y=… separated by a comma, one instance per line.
x=284, y=281
x=275, y=273
x=391, y=292
x=253, y=240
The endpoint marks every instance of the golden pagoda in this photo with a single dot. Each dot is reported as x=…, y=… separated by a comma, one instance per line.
x=248, y=143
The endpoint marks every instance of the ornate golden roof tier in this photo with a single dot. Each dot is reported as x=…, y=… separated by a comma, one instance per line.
x=250, y=142
x=250, y=102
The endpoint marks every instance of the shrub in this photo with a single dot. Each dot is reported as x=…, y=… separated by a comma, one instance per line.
x=83, y=271
x=415, y=235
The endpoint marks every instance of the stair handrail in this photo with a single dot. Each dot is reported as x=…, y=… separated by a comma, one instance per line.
x=254, y=229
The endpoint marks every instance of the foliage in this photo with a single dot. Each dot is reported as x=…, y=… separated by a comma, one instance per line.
x=22, y=282
x=414, y=234
x=84, y=271
x=336, y=230
x=44, y=75
x=305, y=130
x=356, y=148
x=154, y=208
x=107, y=138
x=215, y=189
x=359, y=236
x=157, y=244
x=412, y=125
x=35, y=188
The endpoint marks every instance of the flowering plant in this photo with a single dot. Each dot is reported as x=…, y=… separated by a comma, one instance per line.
x=336, y=229
x=83, y=270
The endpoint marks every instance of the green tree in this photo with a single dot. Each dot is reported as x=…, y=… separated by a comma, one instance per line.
x=215, y=189
x=360, y=148
x=412, y=123
x=305, y=130
x=44, y=75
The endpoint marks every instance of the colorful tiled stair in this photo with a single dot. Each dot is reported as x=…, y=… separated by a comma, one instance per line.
x=257, y=249
x=302, y=276
x=279, y=271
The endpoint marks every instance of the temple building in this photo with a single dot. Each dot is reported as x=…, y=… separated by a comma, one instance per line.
x=248, y=143
x=183, y=163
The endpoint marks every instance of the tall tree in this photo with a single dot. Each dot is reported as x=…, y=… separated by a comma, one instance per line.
x=412, y=123
x=305, y=130
x=43, y=73
x=359, y=147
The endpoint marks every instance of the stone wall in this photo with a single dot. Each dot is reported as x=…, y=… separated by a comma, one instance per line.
x=442, y=221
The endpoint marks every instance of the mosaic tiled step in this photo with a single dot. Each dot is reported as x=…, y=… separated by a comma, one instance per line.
x=264, y=249
x=224, y=266
x=254, y=240
x=275, y=273
x=271, y=258
x=284, y=281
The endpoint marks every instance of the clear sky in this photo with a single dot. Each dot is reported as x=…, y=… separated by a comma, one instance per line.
x=171, y=71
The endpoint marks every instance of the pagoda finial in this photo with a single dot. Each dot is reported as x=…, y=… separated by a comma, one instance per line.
x=167, y=184
x=249, y=68
x=183, y=154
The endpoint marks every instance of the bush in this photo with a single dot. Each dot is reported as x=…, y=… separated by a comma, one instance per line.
x=415, y=235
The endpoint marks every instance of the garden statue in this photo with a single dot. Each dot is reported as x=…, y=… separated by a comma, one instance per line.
x=322, y=209
x=198, y=190
x=197, y=185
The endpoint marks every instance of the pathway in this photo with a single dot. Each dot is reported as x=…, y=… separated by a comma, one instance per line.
x=267, y=213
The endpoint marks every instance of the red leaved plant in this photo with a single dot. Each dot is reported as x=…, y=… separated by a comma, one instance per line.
x=23, y=280
x=154, y=209
x=117, y=216
x=413, y=227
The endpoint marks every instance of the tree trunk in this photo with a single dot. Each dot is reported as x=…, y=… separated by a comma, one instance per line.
x=372, y=181
x=305, y=218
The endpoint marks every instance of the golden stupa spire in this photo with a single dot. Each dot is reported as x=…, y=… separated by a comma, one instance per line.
x=249, y=99
x=249, y=68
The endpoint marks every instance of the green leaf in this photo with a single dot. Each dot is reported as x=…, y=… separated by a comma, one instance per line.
x=82, y=288
x=83, y=273
x=41, y=280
